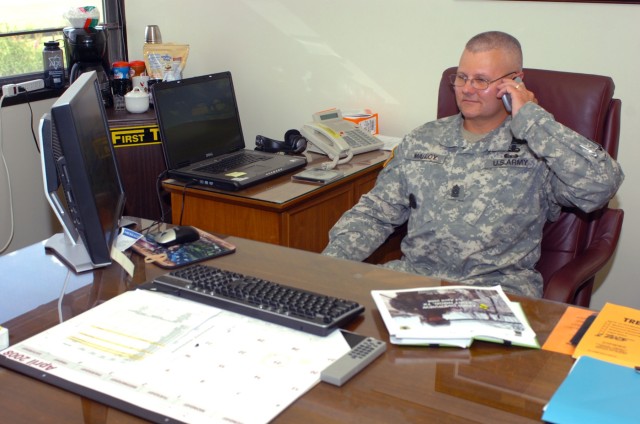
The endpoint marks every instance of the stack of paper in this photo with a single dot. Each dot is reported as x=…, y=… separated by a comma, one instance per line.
x=604, y=382
x=614, y=336
x=453, y=316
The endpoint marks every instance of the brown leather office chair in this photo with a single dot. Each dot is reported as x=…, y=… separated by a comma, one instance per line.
x=577, y=245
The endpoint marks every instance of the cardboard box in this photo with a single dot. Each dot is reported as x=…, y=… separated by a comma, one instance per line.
x=367, y=119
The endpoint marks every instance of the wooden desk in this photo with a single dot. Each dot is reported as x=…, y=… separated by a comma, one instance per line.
x=486, y=383
x=278, y=211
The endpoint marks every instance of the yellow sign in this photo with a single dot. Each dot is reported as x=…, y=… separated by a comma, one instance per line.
x=141, y=135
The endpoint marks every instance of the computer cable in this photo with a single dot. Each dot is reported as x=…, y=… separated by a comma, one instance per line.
x=21, y=90
x=184, y=195
x=9, y=191
x=33, y=134
x=62, y=293
x=161, y=220
x=148, y=228
x=159, y=179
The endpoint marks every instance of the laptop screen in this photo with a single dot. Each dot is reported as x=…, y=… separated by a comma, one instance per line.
x=198, y=118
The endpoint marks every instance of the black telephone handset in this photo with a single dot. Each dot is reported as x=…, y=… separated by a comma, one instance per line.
x=506, y=98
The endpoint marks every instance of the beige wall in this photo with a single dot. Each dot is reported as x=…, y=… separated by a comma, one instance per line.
x=290, y=58
x=23, y=190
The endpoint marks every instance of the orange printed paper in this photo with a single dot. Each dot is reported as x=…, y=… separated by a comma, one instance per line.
x=560, y=338
x=614, y=336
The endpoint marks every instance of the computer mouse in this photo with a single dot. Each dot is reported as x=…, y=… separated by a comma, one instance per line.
x=177, y=235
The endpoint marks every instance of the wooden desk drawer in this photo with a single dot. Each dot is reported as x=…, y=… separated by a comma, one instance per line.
x=307, y=227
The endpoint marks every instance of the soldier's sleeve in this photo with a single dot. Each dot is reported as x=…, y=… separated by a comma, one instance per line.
x=367, y=225
x=583, y=173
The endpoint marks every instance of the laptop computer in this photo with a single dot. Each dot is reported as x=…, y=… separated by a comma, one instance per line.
x=202, y=136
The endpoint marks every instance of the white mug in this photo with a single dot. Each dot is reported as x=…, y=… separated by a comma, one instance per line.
x=142, y=82
x=136, y=101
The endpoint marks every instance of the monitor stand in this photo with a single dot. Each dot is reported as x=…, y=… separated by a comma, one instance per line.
x=74, y=255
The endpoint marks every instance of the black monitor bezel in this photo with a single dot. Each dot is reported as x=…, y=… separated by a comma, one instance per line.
x=65, y=134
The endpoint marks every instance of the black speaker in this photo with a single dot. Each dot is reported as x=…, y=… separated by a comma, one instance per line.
x=294, y=143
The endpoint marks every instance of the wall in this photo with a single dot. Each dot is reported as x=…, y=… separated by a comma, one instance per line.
x=23, y=190
x=290, y=58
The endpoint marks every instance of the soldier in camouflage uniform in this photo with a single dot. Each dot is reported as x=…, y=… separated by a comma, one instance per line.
x=478, y=187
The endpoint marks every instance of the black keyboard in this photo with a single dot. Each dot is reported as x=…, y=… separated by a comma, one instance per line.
x=231, y=162
x=251, y=296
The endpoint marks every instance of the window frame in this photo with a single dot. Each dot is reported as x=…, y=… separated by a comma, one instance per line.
x=114, y=23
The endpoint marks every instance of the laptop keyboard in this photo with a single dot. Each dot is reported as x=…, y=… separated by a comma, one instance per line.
x=232, y=162
x=291, y=307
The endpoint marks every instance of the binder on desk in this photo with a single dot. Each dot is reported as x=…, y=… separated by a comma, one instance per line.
x=595, y=391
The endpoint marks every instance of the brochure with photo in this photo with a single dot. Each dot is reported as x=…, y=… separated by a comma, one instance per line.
x=453, y=316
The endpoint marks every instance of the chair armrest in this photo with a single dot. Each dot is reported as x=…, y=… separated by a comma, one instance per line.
x=565, y=283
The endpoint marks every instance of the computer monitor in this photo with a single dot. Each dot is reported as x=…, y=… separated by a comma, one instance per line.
x=78, y=160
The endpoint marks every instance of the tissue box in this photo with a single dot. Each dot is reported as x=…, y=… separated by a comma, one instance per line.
x=366, y=119
x=83, y=17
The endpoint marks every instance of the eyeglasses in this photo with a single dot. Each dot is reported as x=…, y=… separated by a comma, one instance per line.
x=460, y=80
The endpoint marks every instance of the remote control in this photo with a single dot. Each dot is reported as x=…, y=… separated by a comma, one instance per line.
x=353, y=361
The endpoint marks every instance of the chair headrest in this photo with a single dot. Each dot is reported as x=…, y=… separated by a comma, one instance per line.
x=579, y=101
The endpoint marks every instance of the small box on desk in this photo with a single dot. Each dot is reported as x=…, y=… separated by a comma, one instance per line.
x=366, y=119
x=4, y=338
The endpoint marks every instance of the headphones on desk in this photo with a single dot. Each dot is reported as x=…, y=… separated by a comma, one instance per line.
x=294, y=143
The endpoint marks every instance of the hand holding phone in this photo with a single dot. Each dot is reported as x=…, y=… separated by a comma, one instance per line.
x=506, y=97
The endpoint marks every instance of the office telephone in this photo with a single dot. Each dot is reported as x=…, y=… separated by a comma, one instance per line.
x=337, y=138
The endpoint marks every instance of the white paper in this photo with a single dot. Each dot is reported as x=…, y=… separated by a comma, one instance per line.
x=183, y=359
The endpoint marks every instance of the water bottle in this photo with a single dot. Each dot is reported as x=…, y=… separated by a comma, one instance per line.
x=53, y=65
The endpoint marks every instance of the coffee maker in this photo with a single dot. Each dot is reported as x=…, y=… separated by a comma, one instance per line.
x=86, y=50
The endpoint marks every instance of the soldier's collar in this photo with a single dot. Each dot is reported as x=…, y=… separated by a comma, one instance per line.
x=459, y=139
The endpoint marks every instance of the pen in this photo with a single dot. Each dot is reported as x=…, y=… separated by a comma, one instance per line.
x=583, y=329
